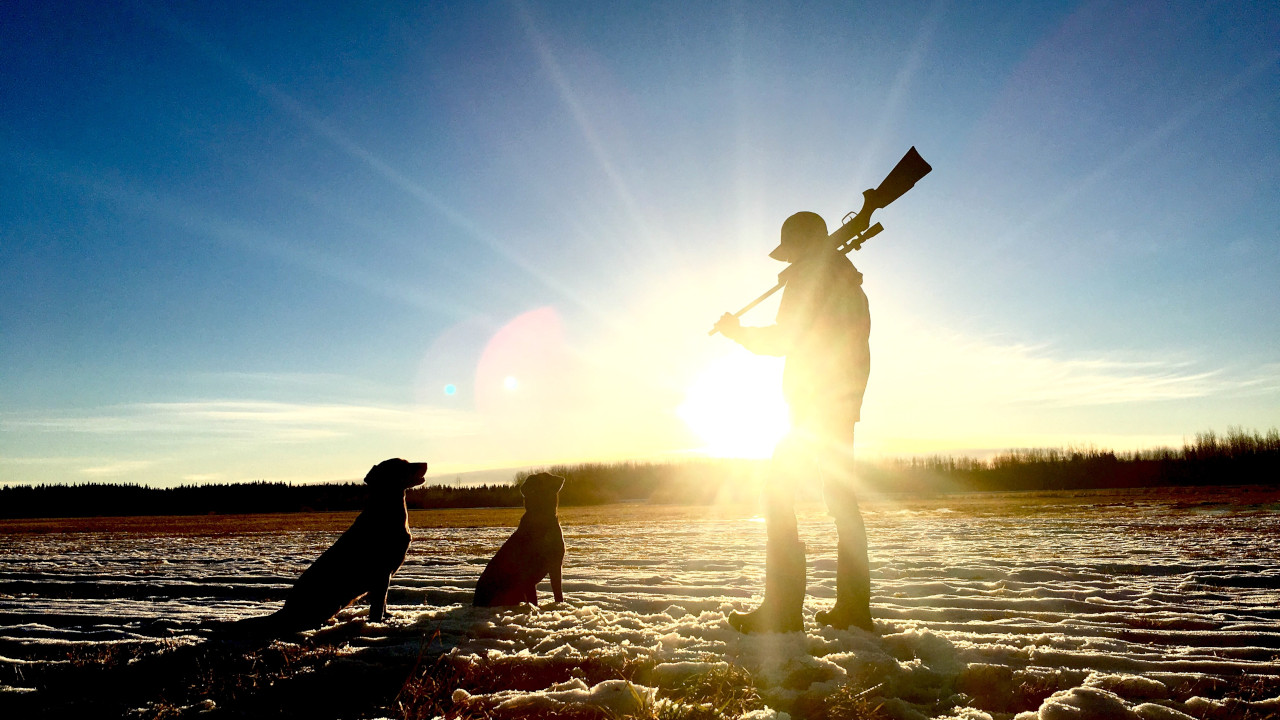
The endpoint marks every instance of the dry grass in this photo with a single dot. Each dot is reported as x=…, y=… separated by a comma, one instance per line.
x=723, y=691
x=317, y=678
x=283, y=679
x=336, y=522
x=186, y=525
x=165, y=679
x=429, y=690
x=1033, y=690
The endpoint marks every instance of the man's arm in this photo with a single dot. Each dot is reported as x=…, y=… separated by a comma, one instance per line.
x=793, y=316
x=767, y=340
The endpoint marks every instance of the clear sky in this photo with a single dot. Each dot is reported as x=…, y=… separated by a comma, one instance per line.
x=276, y=241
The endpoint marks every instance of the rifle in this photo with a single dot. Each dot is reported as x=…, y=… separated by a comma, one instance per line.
x=854, y=229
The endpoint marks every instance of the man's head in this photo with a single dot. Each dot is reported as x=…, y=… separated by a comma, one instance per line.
x=800, y=234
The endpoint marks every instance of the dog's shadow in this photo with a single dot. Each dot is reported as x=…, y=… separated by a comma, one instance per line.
x=347, y=668
x=339, y=670
x=404, y=623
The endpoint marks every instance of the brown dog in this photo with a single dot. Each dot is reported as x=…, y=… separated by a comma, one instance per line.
x=534, y=551
x=361, y=562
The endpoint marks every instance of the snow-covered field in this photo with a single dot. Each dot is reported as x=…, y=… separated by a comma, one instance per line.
x=1138, y=604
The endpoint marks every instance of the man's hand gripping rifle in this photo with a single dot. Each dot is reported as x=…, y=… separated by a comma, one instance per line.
x=855, y=231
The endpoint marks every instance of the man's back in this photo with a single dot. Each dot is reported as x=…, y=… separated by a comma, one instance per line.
x=824, y=313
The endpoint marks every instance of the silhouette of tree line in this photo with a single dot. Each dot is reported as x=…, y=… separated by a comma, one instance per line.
x=1237, y=458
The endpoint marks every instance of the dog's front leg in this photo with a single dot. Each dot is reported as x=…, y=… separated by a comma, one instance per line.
x=378, y=600
x=555, y=584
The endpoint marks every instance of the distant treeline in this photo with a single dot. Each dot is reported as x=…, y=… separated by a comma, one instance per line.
x=585, y=484
x=1237, y=458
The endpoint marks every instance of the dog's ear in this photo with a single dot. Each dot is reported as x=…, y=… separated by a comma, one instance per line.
x=386, y=470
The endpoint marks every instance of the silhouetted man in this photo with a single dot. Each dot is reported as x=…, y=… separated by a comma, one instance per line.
x=822, y=328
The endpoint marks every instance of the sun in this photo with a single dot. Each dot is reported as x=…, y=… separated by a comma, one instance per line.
x=735, y=405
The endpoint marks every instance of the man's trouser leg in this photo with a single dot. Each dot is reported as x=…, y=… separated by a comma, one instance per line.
x=784, y=566
x=853, y=572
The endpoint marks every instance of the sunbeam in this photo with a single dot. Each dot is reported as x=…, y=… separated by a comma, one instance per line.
x=589, y=134
x=283, y=101
x=897, y=95
x=1109, y=168
x=201, y=222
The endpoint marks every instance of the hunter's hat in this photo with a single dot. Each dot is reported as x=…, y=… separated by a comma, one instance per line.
x=799, y=232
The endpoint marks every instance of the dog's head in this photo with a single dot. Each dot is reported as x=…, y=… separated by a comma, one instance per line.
x=541, y=492
x=396, y=474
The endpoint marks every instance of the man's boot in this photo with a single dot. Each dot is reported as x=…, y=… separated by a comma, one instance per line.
x=853, y=582
x=783, y=604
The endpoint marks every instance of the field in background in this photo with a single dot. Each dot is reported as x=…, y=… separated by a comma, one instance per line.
x=338, y=521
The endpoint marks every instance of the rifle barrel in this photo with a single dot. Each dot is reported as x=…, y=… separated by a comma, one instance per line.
x=755, y=302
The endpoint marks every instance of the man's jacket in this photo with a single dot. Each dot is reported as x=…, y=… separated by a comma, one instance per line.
x=823, y=328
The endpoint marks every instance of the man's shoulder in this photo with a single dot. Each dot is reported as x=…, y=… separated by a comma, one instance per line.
x=841, y=268
x=825, y=273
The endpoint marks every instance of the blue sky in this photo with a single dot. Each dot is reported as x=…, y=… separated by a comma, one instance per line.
x=256, y=241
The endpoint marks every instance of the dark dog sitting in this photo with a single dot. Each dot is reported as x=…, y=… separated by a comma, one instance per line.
x=534, y=551
x=361, y=562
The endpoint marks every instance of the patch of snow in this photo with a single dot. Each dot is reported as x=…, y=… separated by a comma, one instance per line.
x=672, y=674
x=615, y=696
x=1081, y=703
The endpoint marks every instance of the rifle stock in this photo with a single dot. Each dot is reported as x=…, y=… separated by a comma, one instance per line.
x=900, y=179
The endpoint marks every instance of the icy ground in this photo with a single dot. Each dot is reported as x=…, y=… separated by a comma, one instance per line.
x=1145, y=604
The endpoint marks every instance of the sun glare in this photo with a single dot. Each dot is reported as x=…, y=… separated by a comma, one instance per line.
x=735, y=405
